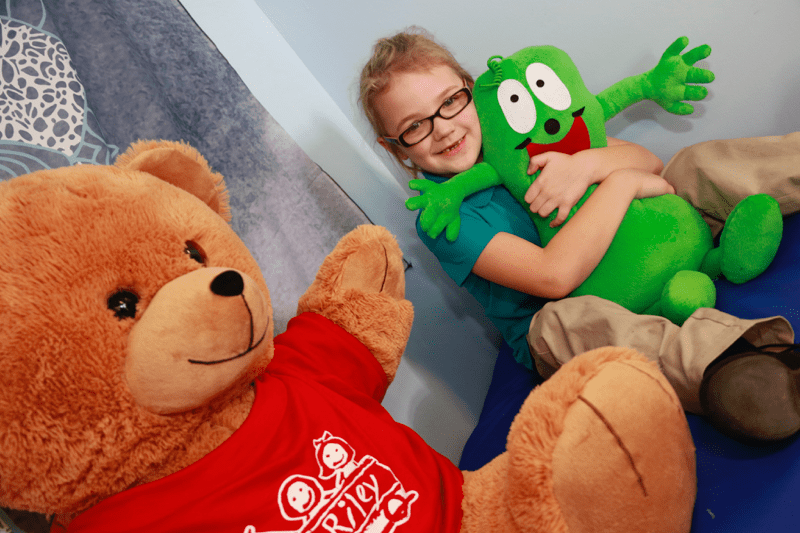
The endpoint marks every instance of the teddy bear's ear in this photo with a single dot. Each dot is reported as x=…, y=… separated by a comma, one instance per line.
x=181, y=165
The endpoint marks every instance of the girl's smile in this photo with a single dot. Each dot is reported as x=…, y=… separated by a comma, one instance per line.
x=454, y=149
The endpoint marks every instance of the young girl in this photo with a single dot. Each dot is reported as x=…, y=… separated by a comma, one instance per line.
x=497, y=255
x=418, y=101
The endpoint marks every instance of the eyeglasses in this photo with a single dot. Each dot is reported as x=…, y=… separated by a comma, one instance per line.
x=420, y=129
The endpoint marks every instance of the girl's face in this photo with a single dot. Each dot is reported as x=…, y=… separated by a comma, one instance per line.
x=454, y=145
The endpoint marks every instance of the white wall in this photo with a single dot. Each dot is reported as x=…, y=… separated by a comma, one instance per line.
x=301, y=58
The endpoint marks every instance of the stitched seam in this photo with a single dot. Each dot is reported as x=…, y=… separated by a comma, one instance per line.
x=603, y=419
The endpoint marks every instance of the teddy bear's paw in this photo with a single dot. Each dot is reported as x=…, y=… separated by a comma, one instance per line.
x=360, y=287
x=370, y=269
x=365, y=261
x=603, y=445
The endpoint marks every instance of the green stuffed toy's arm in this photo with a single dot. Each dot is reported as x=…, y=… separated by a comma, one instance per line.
x=666, y=84
x=440, y=202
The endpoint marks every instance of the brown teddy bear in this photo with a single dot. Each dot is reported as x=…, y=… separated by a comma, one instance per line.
x=141, y=388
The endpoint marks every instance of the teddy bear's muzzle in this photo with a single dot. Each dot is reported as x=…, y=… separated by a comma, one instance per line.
x=198, y=335
x=231, y=284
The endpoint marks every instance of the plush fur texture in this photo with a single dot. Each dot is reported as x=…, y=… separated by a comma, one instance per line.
x=103, y=266
x=581, y=457
x=71, y=238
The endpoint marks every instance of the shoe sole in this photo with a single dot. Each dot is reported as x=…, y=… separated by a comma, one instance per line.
x=755, y=397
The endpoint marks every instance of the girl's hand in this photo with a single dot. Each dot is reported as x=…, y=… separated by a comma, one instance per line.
x=650, y=185
x=563, y=179
x=562, y=182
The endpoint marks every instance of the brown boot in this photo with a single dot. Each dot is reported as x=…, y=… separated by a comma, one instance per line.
x=753, y=393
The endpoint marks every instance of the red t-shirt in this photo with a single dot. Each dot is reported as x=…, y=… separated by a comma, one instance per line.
x=318, y=453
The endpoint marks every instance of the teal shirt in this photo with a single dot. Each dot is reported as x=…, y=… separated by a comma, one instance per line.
x=483, y=215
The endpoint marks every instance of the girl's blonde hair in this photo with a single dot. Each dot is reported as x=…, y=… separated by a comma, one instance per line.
x=411, y=50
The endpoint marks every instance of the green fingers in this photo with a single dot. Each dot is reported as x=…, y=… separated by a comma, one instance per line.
x=668, y=83
x=440, y=208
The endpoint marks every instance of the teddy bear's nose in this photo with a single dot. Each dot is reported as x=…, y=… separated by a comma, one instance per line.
x=229, y=283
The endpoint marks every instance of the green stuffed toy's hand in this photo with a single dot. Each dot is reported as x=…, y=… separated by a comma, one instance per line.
x=440, y=207
x=667, y=83
x=441, y=202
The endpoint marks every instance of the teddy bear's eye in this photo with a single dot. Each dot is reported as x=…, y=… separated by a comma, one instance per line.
x=194, y=251
x=123, y=303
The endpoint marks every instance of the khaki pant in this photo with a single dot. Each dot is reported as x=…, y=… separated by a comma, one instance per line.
x=713, y=176
x=565, y=328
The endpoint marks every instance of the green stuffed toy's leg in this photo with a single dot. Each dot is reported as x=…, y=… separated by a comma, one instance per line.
x=749, y=240
x=684, y=293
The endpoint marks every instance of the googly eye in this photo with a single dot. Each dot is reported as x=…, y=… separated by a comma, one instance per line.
x=517, y=105
x=547, y=86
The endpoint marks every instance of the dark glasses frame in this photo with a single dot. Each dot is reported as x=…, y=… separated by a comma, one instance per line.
x=400, y=139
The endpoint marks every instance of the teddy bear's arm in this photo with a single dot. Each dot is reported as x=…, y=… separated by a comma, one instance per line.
x=361, y=288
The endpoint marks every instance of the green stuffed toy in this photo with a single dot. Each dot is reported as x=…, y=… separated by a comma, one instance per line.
x=662, y=259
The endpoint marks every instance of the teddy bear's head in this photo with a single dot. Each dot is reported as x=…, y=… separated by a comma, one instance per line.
x=129, y=310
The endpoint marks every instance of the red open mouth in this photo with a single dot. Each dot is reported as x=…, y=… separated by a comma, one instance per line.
x=577, y=139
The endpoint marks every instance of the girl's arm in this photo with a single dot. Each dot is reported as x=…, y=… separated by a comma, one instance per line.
x=573, y=253
x=565, y=178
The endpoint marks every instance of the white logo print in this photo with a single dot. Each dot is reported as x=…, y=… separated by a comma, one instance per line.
x=366, y=496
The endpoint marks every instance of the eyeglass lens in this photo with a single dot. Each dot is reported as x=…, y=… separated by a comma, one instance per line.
x=450, y=108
